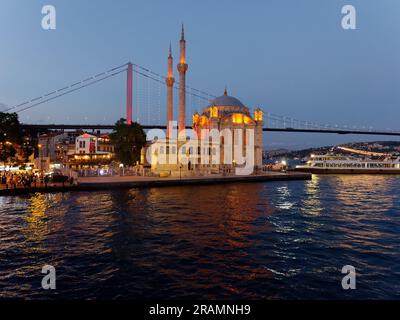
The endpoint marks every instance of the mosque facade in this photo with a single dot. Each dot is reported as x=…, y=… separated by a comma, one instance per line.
x=224, y=137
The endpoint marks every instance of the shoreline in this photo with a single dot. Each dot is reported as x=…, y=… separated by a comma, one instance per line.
x=108, y=183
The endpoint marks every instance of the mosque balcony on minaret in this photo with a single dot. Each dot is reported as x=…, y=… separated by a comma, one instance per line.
x=183, y=67
x=170, y=82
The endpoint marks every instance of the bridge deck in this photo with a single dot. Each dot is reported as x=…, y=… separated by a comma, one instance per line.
x=287, y=130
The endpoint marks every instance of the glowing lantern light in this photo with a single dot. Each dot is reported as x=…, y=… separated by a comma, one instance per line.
x=258, y=114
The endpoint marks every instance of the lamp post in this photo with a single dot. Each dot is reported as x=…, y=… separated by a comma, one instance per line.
x=40, y=156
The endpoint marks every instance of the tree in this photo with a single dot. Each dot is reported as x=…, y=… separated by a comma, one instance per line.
x=7, y=152
x=14, y=139
x=128, y=141
x=10, y=129
x=10, y=135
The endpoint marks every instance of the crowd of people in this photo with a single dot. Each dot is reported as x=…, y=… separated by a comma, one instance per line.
x=12, y=180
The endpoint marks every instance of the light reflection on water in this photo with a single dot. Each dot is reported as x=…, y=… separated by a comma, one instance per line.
x=274, y=240
x=311, y=204
x=368, y=194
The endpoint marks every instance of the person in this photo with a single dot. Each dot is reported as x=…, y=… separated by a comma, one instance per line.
x=46, y=180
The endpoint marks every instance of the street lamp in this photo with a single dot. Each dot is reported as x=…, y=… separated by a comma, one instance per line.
x=40, y=146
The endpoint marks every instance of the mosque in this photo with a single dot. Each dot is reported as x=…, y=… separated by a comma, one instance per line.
x=224, y=138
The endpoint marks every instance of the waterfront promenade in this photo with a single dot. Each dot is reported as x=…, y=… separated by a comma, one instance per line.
x=122, y=182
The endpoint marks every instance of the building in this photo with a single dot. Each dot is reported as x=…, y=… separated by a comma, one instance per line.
x=73, y=150
x=226, y=137
x=86, y=144
x=104, y=144
x=91, y=152
x=49, y=147
x=233, y=121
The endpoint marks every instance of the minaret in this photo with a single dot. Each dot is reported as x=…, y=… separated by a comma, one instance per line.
x=182, y=68
x=170, y=88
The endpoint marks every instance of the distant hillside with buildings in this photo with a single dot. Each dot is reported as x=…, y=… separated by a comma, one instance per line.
x=392, y=147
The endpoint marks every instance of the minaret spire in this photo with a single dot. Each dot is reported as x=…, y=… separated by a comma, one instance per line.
x=182, y=68
x=170, y=101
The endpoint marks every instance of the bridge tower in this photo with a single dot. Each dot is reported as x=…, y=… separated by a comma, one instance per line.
x=129, y=82
x=182, y=68
x=170, y=88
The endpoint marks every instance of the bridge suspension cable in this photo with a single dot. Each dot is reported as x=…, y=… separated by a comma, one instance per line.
x=89, y=81
x=289, y=123
x=73, y=87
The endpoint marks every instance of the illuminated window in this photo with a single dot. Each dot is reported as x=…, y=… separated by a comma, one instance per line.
x=214, y=112
x=196, y=118
x=237, y=118
x=247, y=120
x=203, y=121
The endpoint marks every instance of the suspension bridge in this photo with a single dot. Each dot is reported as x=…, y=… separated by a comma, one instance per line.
x=146, y=96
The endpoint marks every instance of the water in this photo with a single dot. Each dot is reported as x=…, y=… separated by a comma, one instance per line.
x=257, y=241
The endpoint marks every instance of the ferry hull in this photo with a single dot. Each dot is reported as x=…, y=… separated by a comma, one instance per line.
x=348, y=171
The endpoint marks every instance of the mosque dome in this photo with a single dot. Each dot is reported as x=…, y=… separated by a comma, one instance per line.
x=227, y=105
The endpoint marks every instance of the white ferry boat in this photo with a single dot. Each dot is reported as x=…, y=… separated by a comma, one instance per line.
x=326, y=164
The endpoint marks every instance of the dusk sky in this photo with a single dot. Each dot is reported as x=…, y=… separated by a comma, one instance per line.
x=290, y=57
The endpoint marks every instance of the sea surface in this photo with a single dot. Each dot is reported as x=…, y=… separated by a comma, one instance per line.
x=279, y=240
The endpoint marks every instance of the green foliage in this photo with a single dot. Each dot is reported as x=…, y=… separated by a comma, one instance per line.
x=7, y=152
x=10, y=129
x=128, y=141
x=10, y=135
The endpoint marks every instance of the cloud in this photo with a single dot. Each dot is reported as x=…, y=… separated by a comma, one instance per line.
x=2, y=106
